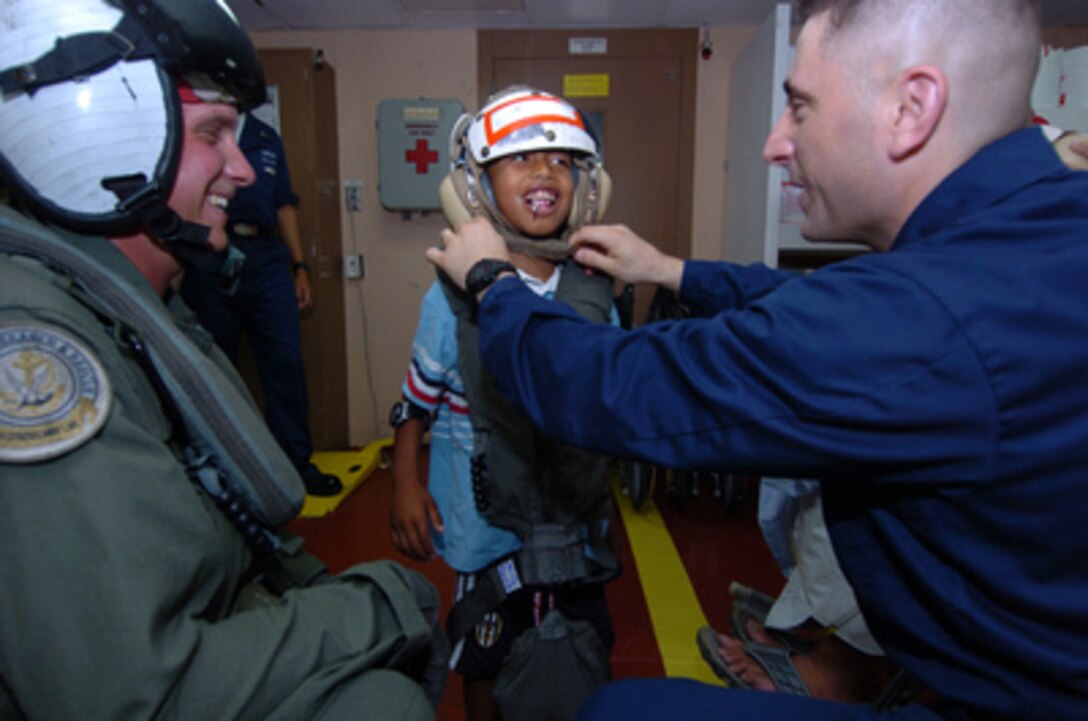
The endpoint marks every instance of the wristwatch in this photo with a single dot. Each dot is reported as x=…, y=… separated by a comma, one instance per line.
x=404, y=410
x=300, y=265
x=485, y=272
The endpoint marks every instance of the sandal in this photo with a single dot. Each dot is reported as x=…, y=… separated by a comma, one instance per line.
x=748, y=605
x=775, y=660
x=706, y=639
x=752, y=605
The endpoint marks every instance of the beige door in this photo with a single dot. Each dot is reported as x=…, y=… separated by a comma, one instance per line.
x=307, y=107
x=646, y=118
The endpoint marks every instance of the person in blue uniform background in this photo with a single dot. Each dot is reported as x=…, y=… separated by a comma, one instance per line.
x=264, y=301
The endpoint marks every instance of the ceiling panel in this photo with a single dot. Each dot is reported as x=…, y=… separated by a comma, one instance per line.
x=317, y=14
x=462, y=6
x=697, y=13
x=378, y=14
x=596, y=13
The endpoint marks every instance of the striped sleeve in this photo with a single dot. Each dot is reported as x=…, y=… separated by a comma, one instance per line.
x=433, y=377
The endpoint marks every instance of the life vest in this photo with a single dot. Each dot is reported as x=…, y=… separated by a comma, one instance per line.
x=555, y=497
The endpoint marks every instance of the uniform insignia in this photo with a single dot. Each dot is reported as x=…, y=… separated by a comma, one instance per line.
x=489, y=630
x=269, y=161
x=54, y=393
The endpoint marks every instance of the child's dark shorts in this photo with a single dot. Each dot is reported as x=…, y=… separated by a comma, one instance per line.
x=485, y=647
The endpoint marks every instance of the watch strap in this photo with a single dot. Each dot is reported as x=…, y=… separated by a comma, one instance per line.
x=404, y=410
x=484, y=273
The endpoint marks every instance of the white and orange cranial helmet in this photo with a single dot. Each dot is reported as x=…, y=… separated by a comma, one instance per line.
x=525, y=120
x=521, y=119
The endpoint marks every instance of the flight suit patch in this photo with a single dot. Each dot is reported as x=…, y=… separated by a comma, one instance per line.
x=54, y=393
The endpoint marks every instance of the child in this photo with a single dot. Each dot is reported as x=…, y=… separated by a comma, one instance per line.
x=504, y=506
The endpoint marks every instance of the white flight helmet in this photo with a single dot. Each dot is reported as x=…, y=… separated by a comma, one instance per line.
x=521, y=119
x=90, y=120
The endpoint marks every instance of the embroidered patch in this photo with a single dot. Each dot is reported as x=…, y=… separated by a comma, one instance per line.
x=489, y=630
x=54, y=393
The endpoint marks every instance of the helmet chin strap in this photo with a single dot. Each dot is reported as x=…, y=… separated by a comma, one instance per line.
x=547, y=248
x=185, y=240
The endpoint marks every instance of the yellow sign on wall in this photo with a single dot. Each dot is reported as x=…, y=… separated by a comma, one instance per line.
x=586, y=85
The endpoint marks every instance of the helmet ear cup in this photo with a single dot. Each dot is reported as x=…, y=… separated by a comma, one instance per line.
x=604, y=194
x=454, y=205
x=590, y=197
x=456, y=196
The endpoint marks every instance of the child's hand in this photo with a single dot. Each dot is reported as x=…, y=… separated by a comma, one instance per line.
x=462, y=247
x=411, y=518
x=617, y=251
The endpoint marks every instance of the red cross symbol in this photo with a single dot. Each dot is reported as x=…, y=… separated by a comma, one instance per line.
x=422, y=156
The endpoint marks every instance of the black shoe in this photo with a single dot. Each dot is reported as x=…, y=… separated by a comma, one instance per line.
x=320, y=484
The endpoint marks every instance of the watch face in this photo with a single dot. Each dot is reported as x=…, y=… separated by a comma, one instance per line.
x=404, y=410
x=398, y=414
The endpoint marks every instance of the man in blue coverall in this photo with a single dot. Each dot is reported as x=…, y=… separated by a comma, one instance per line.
x=263, y=302
x=933, y=386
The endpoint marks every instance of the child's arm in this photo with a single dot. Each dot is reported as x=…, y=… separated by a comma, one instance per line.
x=413, y=511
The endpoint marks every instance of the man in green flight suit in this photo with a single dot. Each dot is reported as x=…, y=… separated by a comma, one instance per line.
x=140, y=493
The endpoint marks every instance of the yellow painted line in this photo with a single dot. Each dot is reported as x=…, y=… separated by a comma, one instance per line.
x=674, y=608
x=352, y=467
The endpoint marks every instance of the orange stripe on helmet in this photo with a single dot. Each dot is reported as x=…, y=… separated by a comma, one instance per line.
x=494, y=136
